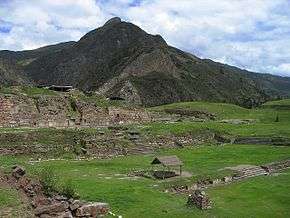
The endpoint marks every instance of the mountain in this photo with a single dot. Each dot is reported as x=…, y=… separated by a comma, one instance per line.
x=121, y=60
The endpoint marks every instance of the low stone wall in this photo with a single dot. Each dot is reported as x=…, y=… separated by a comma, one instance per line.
x=279, y=141
x=243, y=173
x=276, y=166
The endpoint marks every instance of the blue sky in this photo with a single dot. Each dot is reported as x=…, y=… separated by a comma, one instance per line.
x=251, y=34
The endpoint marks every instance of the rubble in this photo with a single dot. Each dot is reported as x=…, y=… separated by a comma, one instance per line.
x=56, y=205
x=92, y=210
x=18, y=172
x=200, y=200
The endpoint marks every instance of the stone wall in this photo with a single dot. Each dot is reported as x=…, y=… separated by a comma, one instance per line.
x=54, y=111
x=92, y=115
x=58, y=111
x=122, y=115
x=17, y=111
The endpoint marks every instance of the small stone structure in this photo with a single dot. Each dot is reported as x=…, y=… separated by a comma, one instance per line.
x=200, y=200
x=167, y=162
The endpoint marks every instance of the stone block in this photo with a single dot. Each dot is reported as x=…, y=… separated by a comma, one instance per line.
x=92, y=210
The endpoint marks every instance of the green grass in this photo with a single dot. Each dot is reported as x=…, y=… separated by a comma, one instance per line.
x=26, y=90
x=34, y=91
x=279, y=102
x=219, y=109
x=8, y=197
x=10, y=203
x=257, y=197
x=193, y=128
x=106, y=180
x=230, y=111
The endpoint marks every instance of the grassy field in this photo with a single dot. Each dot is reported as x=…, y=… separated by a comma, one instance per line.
x=107, y=180
x=229, y=111
x=183, y=128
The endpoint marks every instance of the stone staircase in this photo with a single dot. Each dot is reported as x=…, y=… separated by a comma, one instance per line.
x=250, y=172
x=141, y=148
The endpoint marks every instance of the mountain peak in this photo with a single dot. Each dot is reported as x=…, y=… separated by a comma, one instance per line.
x=113, y=20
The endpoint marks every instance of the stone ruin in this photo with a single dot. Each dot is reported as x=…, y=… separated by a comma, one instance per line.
x=276, y=166
x=200, y=200
x=55, y=206
x=61, y=111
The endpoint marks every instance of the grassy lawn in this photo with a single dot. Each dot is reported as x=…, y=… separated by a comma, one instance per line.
x=107, y=180
x=183, y=128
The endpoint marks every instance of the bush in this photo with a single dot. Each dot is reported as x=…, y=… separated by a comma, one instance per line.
x=68, y=190
x=51, y=184
x=48, y=181
x=277, y=118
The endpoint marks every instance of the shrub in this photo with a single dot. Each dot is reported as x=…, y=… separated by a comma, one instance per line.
x=68, y=190
x=48, y=181
x=277, y=118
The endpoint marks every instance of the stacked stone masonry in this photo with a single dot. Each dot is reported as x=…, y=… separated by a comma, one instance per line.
x=57, y=111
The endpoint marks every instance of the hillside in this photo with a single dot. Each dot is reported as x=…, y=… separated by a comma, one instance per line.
x=121, y=60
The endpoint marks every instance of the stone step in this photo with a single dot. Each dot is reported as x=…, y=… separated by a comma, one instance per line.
x=254, y=169
x=251, y=172
x=254, y=173
x=249, y=175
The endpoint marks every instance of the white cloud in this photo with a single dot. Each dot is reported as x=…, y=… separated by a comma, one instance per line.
x=252, y=34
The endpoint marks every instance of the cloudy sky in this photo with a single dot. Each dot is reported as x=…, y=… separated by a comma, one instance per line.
x=251, y=34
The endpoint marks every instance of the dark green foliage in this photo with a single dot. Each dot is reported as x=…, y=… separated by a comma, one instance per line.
x=277, y=118
x=68, y=189
x=80, y=147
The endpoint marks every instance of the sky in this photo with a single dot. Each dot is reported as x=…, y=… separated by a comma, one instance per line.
x=250, y=34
